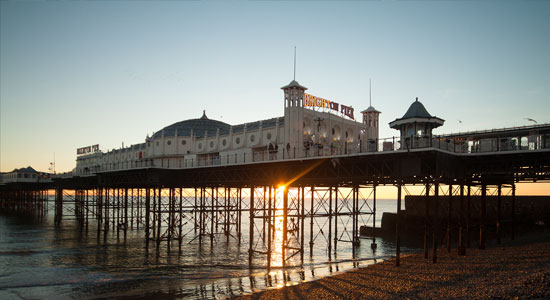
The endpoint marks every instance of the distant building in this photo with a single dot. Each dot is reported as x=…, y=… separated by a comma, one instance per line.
x=311, y=126
x=27, y=174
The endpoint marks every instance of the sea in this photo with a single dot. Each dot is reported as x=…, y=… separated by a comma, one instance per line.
x=39, y=260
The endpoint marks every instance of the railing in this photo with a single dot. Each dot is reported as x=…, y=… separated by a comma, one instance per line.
x=452, y=143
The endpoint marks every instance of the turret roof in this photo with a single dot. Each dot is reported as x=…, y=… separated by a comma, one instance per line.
x=294, y=83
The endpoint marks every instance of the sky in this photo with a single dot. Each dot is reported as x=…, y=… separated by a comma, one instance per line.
x=74, y=74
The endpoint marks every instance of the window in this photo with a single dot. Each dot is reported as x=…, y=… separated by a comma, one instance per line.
x=269, y=135
x=183, y=142
x=224, y=142
x=332, y=130
x=252, y=138
x=238, y=140
x=200, y=146
x=169, y=142
x=211, y=144
x=157, y=143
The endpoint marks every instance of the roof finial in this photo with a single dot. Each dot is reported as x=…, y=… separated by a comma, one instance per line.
x=204, y=117
x=416, y=99
x=294, y=62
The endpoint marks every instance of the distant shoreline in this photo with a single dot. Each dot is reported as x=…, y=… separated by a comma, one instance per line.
x=514, y=270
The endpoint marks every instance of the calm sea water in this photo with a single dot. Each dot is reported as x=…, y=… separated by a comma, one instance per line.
x=41, y=261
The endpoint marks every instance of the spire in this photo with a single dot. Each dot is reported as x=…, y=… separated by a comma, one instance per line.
x=204, y=117
x=370, y=93
x=294, y=63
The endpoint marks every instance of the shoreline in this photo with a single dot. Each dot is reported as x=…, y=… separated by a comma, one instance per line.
x=517, y=269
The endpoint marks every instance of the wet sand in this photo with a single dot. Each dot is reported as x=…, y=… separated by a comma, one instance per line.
x=514, y=270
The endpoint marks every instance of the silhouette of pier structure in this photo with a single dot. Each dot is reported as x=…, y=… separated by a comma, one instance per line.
x=285, y=206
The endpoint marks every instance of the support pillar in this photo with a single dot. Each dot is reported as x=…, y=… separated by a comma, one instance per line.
x=269, y=229
x=397, y=238
x=426, y=220
x=513, y=211
x=330, y=224
x=285, y=223
x=499, y=202
x=311, y=223
x=373, y=245
x=449, y=218
x=461, y=249
x=147, y=217
x=58, y=206
x=483, y=214
x=435, y=227
x=251, y=229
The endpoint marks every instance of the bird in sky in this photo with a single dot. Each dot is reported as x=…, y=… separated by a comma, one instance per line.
x=529, y=119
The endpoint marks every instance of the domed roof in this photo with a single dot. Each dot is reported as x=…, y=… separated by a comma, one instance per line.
x=197, y=126
x=417, y=113
x=417, y=110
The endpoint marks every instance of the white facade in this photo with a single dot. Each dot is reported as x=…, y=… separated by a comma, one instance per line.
x=301, y=132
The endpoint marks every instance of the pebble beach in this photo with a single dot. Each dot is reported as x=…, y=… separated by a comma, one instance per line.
x=513, y=270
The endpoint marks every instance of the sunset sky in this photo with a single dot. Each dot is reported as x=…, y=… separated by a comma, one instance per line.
x=74, y=74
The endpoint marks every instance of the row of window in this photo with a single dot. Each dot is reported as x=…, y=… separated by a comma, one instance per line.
x=224, y=141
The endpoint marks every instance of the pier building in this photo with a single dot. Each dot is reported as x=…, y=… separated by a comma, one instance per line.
x=310, y=126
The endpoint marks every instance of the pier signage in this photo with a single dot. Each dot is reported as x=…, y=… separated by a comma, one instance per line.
x=313, y=101
x=87, y=150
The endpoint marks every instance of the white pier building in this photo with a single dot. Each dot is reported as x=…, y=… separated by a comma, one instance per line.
x=311, y=126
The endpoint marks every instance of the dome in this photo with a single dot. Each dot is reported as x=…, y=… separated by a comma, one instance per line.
x=417, y=113
x=197, y=126
x=417, y=110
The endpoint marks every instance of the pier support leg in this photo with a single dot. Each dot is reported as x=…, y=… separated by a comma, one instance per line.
x=311, y=223
x=125, y=212
x=449, y=218
x=468, y=216
x=302, y=223
x=147, y=217
x=397, y=238
x=461, y=249
x=58, y=206
x=251, y=229
x=426, y=219
x=482, y=216
x=373, y=245
x=180, y=223
x=513, y=211
x=99, y=211
x=270, y=228
x=335, y=219
x=285, y=224
x=499, y=202
x=330, y=224
x=435, y=230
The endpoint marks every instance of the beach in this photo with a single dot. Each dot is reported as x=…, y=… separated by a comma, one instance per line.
x=513, y=270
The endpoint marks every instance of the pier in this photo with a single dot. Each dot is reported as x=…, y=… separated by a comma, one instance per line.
x=284, y=204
